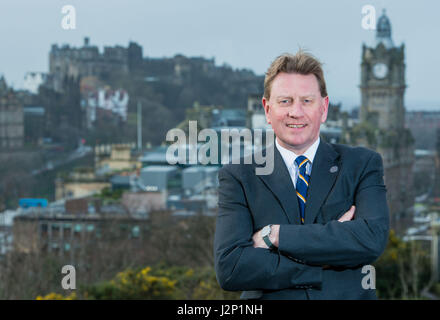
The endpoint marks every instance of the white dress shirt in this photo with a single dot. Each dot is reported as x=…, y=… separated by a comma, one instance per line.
x=290, y=156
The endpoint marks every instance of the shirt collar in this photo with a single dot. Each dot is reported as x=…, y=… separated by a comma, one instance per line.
x=290, y=156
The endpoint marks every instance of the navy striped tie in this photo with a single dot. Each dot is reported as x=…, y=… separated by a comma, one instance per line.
x=302, y=184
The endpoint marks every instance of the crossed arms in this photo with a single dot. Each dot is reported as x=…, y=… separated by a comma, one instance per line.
x=303, y=250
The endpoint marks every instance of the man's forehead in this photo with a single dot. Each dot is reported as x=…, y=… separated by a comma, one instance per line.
x=284, y=83
x=290, y=95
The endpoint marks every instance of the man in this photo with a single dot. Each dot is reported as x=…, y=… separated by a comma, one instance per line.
x=306, y=230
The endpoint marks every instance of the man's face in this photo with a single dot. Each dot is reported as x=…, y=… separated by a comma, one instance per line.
x=295, y=99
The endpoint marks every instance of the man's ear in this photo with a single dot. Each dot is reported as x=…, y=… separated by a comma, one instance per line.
x=266, y=107
x=325, y=103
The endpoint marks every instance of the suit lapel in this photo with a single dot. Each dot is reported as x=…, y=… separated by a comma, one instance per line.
x=280, y=183
x=322, y=179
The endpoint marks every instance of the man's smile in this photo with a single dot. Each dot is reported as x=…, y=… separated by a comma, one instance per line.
x=296, y=126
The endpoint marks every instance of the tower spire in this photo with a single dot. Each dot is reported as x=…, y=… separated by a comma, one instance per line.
x=383, y=31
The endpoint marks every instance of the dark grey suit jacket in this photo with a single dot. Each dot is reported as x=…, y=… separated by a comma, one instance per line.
x=248, y=202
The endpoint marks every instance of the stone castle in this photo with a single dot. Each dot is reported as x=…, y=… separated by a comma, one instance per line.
x=86, y=61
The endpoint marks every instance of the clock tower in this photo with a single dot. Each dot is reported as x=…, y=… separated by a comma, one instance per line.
x=383, y=80
x=382, y=120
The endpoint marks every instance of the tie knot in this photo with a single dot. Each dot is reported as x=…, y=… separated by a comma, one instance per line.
x=301, y=161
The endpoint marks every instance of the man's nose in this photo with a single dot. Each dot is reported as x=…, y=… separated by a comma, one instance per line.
x=296, y=109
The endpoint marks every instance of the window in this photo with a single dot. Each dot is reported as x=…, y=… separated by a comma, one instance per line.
x=43, y=227
x=135, y=232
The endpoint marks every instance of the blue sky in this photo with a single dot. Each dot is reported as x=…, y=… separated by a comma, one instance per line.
x=242, y=33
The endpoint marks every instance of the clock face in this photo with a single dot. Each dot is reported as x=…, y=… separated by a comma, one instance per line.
x=380, y=70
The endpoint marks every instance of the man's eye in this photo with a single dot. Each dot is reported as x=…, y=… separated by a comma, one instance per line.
x=285, y=101
x=307, y=100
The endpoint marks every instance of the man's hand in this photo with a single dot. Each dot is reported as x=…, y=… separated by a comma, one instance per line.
x=274, y=236
x=349, y=215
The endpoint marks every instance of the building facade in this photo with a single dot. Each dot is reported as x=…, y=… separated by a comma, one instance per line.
x=66, y=61
x=382, y=117
x=11, y=118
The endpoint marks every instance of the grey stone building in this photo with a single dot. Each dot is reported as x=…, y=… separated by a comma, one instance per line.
x=11, y=118
x=66, y=61
x=383, y=80
x=382, y=118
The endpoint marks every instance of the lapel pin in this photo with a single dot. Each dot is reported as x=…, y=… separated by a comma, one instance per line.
x=334, y=169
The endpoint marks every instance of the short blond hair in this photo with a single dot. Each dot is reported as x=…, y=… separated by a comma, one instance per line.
x=301, y=63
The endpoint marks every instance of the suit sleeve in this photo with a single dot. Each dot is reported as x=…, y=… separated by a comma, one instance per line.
x=240, y=266
x=347, y=244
